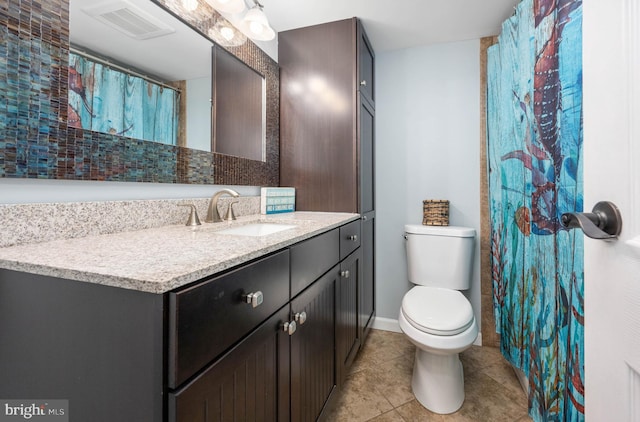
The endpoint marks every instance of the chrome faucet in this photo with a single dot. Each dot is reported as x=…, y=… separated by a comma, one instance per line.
x=213, y=216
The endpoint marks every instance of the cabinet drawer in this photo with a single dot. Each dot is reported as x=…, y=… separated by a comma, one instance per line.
x=349, y=238
x=208, y=318
x=312, y=258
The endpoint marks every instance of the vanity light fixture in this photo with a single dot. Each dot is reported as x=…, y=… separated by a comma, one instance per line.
x=256, y=25
x=228, y=6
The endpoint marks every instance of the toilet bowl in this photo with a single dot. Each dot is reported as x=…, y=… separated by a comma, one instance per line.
x=436, y=317
x=440, y=328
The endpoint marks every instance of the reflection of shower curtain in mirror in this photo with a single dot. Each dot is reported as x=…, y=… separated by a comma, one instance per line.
x=106, y=100
x=534, y=120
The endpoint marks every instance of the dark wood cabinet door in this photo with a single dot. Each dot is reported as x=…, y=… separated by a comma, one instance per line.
x=366, y=67
x=367, y=281
x=347, y=332
x=250, y=382
x=313, y=376
x=366, y=126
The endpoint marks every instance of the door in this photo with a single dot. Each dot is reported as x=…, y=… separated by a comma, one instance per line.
x=611, y=58
x=366, y=66
x=367, y=286
x=347, y=332
x=366, y=123
x=313, y=375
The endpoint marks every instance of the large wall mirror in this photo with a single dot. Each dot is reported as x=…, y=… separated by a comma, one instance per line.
x=148, y=96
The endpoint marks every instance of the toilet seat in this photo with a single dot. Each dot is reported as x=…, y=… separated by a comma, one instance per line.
x=437, y=311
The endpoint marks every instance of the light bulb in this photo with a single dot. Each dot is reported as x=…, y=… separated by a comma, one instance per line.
x=227, y=33
x=190, y=5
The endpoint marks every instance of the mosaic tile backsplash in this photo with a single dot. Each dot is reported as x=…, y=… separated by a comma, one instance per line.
x=35, y=141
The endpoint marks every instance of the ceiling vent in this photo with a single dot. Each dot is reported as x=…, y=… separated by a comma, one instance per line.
x=129, y=19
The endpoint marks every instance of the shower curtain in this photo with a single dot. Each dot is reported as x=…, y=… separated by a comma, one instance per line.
x=534, y=141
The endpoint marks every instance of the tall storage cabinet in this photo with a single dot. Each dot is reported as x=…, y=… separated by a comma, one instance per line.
x=327, y=120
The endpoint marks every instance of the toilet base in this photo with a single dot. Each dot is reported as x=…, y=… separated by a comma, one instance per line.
x=438, y=381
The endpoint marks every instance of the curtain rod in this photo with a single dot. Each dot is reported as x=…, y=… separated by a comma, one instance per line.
x=112, y=65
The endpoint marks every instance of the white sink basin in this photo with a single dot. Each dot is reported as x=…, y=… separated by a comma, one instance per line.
x=257, y=229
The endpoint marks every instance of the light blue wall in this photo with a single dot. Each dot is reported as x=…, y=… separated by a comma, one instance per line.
x=199, y=113
x=22, y=191
x=427, y=147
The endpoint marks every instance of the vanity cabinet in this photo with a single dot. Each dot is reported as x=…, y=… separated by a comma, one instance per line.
x=268, y=340
x=327, y=132
x=282, y=369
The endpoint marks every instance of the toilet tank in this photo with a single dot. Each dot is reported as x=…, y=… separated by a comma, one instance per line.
x=440, y=256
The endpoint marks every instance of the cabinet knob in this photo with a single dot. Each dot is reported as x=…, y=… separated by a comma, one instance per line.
x=354, y=237
x=365, y=218
x=363, y=83
x=345, y=273
x=254, y=299
x=289, y=327
x=300, y=317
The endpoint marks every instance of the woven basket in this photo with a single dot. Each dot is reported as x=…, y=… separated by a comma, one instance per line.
x=436, y=212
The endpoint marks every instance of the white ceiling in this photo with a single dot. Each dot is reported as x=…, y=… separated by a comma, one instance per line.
x=397, y=24
x=390, y=25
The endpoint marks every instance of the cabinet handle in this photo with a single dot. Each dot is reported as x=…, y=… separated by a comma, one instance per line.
x=289, y=327
x=345, y=274
x=363, y=83
x=254, y=299
x=353, y=237
x=300, y=317
x=365, y=218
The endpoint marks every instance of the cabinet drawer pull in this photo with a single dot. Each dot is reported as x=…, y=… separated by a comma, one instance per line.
x=363, y=83
x=289, y=327
x=353, y=237
x=254, y=299
x=345, y=274
x=300, y=317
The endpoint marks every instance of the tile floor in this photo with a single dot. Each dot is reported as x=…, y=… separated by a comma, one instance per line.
x=378, y=388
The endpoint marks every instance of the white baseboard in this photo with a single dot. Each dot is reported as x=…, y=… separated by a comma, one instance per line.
x=388, y=324
x=478, y=341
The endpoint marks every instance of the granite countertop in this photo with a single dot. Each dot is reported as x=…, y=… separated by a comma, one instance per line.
x=161, y=259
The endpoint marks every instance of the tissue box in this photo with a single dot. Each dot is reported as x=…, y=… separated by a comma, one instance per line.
x=277, y=200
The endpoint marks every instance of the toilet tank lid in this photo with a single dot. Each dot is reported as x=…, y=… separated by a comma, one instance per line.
x=452, y=231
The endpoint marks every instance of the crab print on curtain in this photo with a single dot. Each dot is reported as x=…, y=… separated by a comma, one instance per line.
x=534, y=141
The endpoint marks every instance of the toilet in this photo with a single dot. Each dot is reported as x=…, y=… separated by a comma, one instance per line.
x=435, y=315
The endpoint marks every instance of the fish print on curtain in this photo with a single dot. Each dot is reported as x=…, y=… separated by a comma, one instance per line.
x=534, y=124
x=106, y=100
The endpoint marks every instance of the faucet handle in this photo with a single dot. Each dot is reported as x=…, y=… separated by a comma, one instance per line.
x=193, y=216
x=230, y=214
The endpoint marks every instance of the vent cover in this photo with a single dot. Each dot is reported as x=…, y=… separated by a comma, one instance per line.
x=129, y=19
